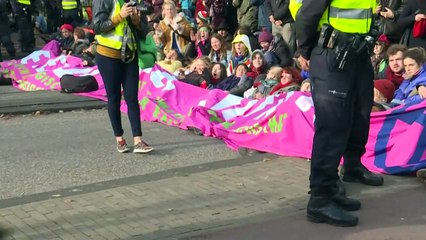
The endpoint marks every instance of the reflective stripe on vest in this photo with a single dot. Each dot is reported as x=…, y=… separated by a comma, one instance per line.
x=350, y=16
x=25, y=2
x=69, y=4
x=294, y=7
x=114, y=38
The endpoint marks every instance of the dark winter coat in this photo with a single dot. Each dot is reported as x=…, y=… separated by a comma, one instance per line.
x=388, y=26
x=406, y=21
x=279, y=10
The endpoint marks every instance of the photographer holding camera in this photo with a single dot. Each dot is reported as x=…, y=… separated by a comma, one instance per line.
x=118, y=27
x=338, y=60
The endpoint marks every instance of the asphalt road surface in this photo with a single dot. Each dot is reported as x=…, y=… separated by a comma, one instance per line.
x=62, y=150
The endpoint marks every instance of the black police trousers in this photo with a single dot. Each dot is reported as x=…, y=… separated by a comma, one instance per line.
x=343, y=101
x=71, y=17
x=23, y=20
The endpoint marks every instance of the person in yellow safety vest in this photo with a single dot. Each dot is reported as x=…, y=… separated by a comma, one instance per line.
x=341, y=74
x=72, y=12
x=23, y=10
x=294, y=7
x=118, y=26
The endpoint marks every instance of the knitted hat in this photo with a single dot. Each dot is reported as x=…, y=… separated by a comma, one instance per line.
x=222, y=26
x=382, y=38
x=68, y=27
x=385, y=87
x=204, y=29
x=203, y=15
x=265, y=36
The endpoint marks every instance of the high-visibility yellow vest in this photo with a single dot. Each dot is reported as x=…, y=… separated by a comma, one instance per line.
x=69, y=4
x=25, y=2
x=114, y=38
x=294, y=7
x=348, y=16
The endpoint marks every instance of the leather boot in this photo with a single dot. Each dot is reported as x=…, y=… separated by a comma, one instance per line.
x=362, y=175
x=347, y=204
x=323, y=209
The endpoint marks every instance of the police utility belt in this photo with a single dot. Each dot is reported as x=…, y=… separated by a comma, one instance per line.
x=347, y=47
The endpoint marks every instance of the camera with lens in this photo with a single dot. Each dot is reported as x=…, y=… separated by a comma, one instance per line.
x=144, y=9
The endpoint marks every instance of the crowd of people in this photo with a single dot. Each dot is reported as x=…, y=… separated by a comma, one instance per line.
x=200, y=43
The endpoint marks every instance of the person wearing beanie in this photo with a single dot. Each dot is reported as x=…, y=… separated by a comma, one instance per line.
x=67, y=39
x=265, y=40
x=223, y=30
x=202, y=44
x=378, y=58
x=383, y=91
x=202, y=19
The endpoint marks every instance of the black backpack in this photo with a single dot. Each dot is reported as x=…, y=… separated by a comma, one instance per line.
x=78, y=84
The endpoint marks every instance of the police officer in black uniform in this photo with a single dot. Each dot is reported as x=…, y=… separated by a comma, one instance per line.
x=342, y=90
x=5, y=30
x=23, y=10
x=53, y=12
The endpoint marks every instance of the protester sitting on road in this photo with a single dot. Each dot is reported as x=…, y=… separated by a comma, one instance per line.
x=245, y=30
x=200, y=43
x=378, y=57
x=218, y=52
x=236, y=82
x=88, y=55
x=264, y=87
x=395, y=68
x=80, y=42
x=218, y=74
x=413, y=88
x=241, y=52
x=198, y=74
x=290, y=81
x=66, y=39
x=223, y=30
x=202, y=19
x=258, y=66
x=383, y=93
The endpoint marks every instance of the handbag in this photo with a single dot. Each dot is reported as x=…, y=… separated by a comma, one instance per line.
x=419, y=29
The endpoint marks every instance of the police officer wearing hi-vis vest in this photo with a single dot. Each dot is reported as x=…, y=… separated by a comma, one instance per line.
x=335, y=39
x=24, y=10
x=71, y=12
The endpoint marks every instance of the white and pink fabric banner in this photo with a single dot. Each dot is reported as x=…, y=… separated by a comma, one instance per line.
x=280, y=124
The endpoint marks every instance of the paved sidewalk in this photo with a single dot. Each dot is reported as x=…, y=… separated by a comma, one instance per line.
x=184, y=204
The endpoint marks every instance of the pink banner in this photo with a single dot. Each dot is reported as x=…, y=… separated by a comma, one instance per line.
x=280, y=124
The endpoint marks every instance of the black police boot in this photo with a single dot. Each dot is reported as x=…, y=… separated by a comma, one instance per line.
x=324, y=210
x=348, y=204
x=341, y=189
x=362, y=175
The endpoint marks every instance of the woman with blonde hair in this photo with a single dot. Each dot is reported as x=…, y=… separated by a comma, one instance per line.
x=174, y=30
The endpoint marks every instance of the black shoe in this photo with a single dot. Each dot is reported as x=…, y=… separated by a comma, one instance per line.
x=324, y=210
x=348, y=204
x=362, y=175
